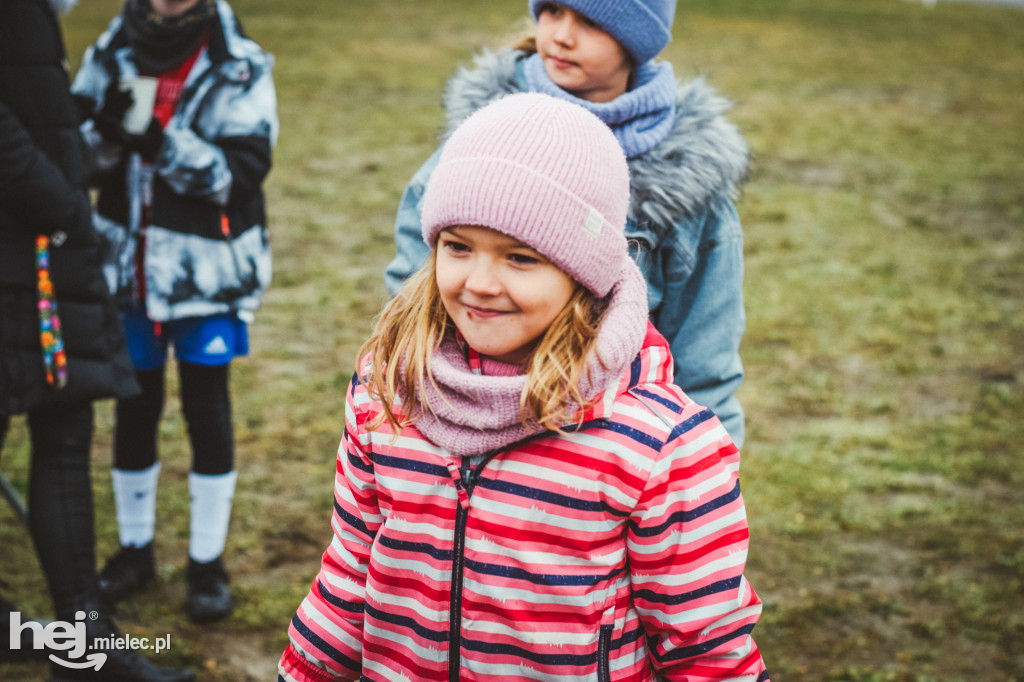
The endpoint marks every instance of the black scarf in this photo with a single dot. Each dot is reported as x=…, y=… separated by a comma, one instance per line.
x=161, y=43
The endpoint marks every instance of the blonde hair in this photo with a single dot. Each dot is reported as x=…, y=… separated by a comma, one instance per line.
x=412, y=326
x=527, y=44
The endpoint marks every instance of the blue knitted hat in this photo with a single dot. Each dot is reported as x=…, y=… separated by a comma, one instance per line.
x=642, y=27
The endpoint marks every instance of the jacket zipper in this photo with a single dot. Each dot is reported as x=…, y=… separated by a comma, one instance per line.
x=604, y=643
x=468, y=476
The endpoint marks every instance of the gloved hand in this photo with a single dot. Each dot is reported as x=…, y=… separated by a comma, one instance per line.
x=148, y=143
x=85, y=106
x=108, y=121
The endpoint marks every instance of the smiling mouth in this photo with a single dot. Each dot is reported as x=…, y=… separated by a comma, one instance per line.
x=483, y=312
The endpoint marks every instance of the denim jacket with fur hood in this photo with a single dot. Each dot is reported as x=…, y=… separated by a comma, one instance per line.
x=207, y=249
x=682, y=228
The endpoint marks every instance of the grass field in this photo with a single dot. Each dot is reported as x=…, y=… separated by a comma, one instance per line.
x=884, y=227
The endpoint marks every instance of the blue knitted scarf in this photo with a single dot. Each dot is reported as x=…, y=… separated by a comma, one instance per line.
x=640, y=118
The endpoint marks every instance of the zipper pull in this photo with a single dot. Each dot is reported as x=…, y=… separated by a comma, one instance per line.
x=460, y=488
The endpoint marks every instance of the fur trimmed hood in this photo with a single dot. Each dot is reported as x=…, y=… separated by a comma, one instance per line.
x=703, y=158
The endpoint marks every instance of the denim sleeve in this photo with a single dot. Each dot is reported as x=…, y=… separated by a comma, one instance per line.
x=702, y=315
x=410, y=250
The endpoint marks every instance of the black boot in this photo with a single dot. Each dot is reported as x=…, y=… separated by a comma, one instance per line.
x=115, y=665
x=209, y=597
x=25, y=650
x=128, y=571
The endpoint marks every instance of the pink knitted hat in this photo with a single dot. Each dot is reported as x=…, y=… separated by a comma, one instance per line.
x=544, y=171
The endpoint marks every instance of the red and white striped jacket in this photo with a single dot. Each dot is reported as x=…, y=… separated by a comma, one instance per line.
x=612, y=553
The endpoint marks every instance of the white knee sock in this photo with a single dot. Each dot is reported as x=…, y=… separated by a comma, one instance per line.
x=135, y=503
x=210, y=511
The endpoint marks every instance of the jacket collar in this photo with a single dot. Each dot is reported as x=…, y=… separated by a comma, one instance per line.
x=653, y=365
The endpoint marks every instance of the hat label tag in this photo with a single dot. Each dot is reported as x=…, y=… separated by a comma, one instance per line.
x=594, y=222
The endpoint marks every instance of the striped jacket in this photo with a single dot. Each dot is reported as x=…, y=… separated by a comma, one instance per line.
x=613, y=553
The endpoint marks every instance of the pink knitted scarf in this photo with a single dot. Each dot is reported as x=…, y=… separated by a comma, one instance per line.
x=474, y=413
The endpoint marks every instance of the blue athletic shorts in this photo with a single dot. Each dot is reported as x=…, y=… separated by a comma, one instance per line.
x=209, y=341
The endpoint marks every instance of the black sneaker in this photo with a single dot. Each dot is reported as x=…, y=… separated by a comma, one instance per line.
x=209, y=597
x=128, y=571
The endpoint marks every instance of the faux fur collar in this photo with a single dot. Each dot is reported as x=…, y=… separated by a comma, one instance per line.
x=704, y=157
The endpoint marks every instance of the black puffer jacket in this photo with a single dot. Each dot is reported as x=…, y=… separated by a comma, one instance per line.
x=43, y=168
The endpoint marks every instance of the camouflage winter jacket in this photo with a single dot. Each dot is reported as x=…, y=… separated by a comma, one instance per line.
x=206, y=248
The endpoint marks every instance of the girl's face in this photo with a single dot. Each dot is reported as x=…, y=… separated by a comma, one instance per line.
x=579, y=56
x=501, y=294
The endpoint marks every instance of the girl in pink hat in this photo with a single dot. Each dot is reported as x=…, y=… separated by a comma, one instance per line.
x=522, y=493
x=686, y=161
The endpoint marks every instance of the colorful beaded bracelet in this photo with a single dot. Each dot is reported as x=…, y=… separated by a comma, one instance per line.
x=50, y=336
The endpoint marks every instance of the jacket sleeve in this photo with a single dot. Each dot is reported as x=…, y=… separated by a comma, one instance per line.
x=703, y=318
x=235, y=159
x=33, y=190
x=326, y=633
x=89, y=85
x=687, y=545
x=410, y=250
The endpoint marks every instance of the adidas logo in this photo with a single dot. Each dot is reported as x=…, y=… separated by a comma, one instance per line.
x=216, y=346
